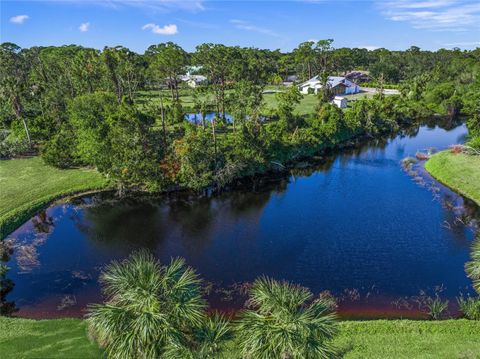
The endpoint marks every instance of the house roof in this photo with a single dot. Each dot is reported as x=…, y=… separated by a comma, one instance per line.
x=196, y=78
x=333, y=81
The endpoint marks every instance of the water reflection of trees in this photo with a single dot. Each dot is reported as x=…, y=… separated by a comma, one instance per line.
x=6, y=284
x=147, y=221
x=442, y=122
x=129, y=222
x=42, y=223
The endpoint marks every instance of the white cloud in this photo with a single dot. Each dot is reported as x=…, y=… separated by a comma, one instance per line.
x=84, y=27
x=244, y=25
x=439, y=15
x=164, y=30
x=19, y=19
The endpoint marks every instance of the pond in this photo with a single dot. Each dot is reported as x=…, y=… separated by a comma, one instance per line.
x=357, y=226
x=196, y=118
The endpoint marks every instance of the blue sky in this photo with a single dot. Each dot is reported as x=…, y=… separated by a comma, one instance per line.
x=136, y=24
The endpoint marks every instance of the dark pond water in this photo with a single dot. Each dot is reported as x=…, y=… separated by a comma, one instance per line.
x=358, y=226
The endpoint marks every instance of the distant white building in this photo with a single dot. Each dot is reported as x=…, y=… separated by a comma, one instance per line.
x=338, y=85
x=340, y=102
x=193, y=80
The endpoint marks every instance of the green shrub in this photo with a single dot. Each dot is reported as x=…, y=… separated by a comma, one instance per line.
x=11, y=146
x=59, y=151
x=436, y=308
x=474, y=142
x=470, y=307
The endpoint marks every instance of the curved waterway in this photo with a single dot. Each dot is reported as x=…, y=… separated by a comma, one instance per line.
x=379, y=239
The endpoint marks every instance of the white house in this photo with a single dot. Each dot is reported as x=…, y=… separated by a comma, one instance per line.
x=193, y=80
x=340, y=102
x=338, y=85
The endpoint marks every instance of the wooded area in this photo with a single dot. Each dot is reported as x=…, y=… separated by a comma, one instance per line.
x=124, y=113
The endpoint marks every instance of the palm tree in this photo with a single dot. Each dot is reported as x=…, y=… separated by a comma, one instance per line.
x=209, y=339
x=286, y=322
x=149, y=308
x=473, y=267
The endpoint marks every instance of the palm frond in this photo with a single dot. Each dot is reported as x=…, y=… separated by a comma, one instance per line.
x=285, y=321
x=149, y=308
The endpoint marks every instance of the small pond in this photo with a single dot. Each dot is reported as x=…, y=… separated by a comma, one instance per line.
x=358, y=226
x=196, y=118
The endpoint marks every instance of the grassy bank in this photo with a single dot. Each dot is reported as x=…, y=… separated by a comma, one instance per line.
x=460, y=172
x=410, y=339
x=60, y=338
x=27, y=185
x=67, y=338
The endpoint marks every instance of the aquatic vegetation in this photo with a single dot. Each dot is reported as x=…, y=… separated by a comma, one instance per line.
x=67, y=301
x=408, y=162
x=27, y=254
x=473, y=266
x=470, y=307
x=436, y=308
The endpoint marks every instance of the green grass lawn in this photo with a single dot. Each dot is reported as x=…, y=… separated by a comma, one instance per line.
x=61, y=338
x=460, y=172
x=27, y=185
x=306, y=106
x=397, y=339
x=67, y=338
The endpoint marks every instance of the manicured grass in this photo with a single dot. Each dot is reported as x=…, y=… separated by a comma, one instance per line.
x=67, y=338
x=306, y=106
x=61, y=338
x=27, y=185
x=460, y=172
x=410, y=339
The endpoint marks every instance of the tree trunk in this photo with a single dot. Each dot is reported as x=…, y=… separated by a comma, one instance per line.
x=177, y=97
x=27, y=132
x=162, y=113
x=17, y=108
x=222, y=98
x=172, y=88
x=214, y=141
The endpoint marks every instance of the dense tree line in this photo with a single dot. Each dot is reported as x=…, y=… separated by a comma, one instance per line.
x=124, y=113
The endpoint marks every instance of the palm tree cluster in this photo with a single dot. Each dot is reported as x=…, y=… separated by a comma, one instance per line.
x=157, y=311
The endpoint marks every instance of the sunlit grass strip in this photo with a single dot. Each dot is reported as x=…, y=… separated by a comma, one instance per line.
x=67, y=338
x=458, y=171
x=28, y=185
